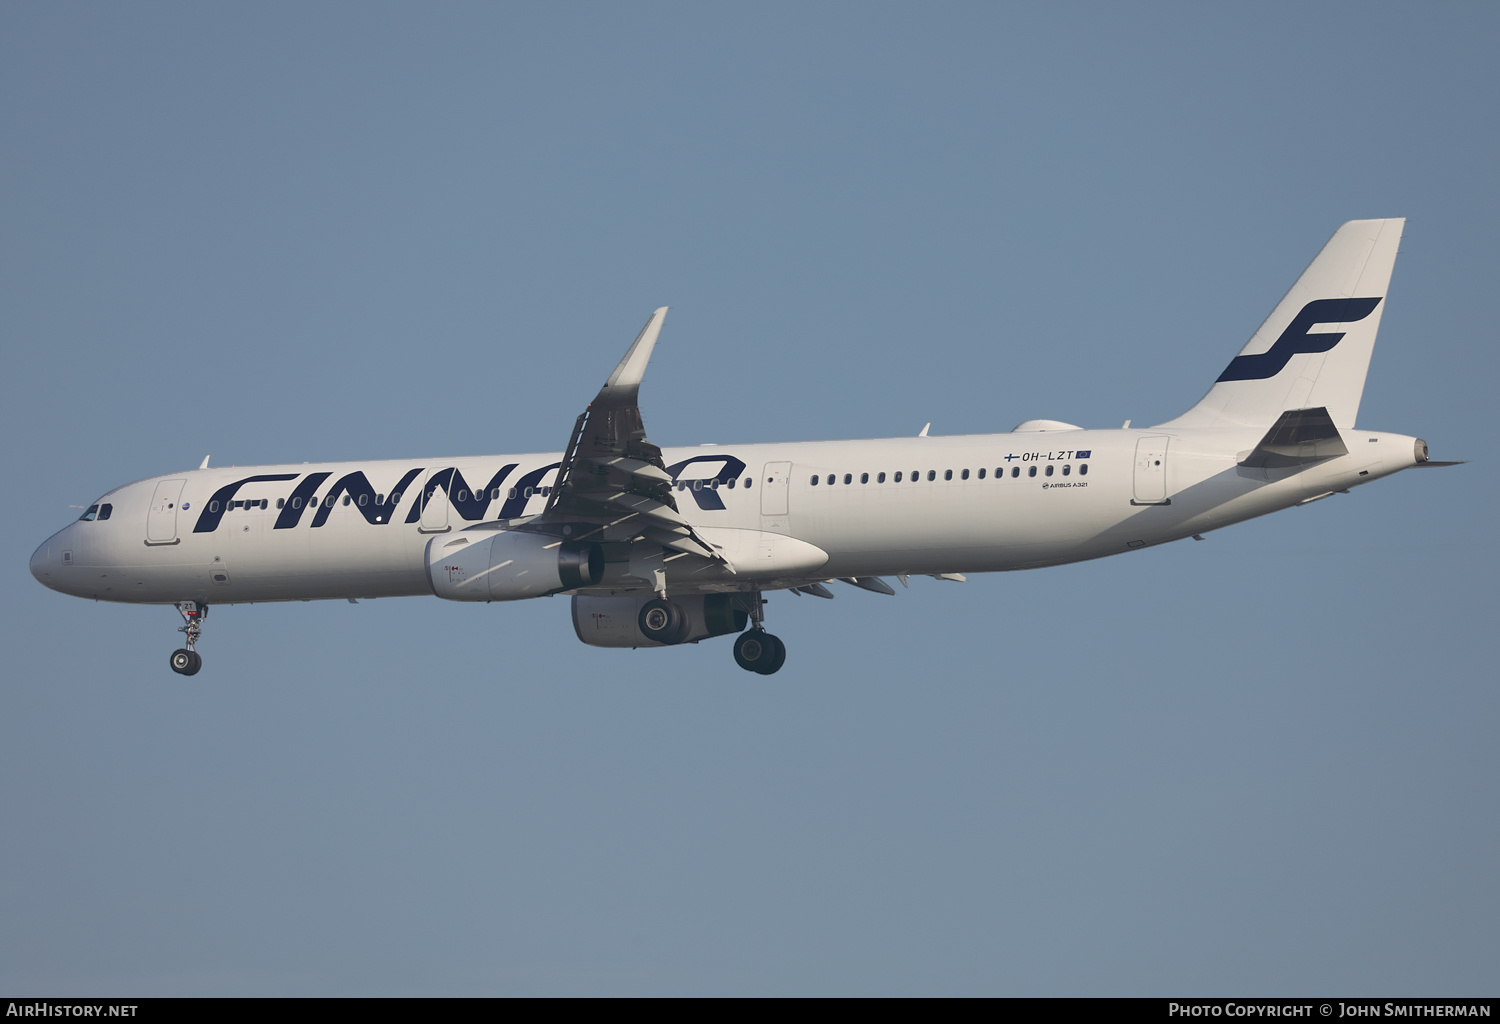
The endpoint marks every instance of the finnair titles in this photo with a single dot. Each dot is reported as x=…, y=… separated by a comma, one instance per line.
x=662, y=547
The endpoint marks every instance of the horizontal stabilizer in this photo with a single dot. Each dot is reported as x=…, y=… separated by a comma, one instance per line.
x=1298, y=436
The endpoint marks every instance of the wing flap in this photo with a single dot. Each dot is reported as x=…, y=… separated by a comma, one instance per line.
x=612, y=476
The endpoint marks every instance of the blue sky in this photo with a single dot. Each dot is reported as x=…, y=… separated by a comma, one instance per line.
x=1263, y=764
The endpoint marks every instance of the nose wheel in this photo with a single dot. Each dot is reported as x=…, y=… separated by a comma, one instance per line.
x=186, y=661
x=755, y=650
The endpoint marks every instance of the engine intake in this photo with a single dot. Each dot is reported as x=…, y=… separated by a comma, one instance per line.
x=509, y=565
x=615, y=621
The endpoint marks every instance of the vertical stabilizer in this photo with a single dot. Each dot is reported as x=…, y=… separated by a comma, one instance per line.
x=1314, y=349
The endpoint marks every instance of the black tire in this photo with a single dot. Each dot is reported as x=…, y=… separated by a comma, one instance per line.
x=778, y=657
x=197, y=664
x=758, y=651
x=663, y=621
x=749, y=649
x=185, y=662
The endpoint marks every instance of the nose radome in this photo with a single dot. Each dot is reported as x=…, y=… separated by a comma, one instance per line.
x=47, y=560
x=39, y=565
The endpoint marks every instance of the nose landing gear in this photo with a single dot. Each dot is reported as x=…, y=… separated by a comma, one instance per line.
x=755, y=650
x=186, y=661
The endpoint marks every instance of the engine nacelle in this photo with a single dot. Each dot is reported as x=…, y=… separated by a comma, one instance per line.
x=507, y=565
x=615, y=621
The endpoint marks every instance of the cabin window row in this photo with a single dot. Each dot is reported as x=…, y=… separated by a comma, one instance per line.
x=380, y=499
x=712, y=484
x=932, y=474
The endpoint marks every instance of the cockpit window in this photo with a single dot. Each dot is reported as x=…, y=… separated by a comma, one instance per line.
x=90, y=515
x=106, y=510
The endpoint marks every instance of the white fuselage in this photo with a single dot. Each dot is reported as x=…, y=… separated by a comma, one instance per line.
x=979, y=503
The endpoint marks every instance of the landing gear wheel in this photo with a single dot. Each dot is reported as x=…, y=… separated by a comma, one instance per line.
x=186, y=661
x=664, y=622
x=756, y=650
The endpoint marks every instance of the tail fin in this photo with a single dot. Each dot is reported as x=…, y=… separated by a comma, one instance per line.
x=1290, y=365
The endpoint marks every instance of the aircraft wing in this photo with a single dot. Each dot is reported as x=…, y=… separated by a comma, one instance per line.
x=612, y=476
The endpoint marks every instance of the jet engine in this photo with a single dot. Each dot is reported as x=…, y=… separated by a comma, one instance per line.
x=615, y=621
x=508, y=565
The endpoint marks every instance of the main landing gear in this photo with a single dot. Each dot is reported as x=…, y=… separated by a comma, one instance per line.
x=186, y=661
x=755, y=650
x=667, y=622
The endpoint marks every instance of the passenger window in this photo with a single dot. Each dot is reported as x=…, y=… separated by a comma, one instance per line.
x=281, y=503
x=1031, y=471
x=380, y=499
x=213, y=506
x=932, y=474
x=105, y=511
x=1083, y=470
x=1015, y=471
x=749, y=480
x=265, y=503
x=898, y=476
x=1067, y=469
x=90, y=515
x=1049, y=470
x=880, y=479
x=981, y=474
x=733, y=480
x=815, y=480
x=848, y=478
x=864, y=478
x=512, y=493
x=364, y=499
x=396, y=497
x=296, y=503
x=312, y=502
x=463, y=495
x=947, y=474
x=346, y=501
x=964, y=475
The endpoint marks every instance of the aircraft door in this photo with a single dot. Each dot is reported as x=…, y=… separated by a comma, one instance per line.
x=161, y=519
x=435, y=505
x=774, y=483
x=1151, y=471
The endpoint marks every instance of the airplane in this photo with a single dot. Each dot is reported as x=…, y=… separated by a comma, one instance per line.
x=663, y=547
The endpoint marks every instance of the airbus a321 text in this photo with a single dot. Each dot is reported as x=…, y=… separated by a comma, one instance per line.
x=661, y=547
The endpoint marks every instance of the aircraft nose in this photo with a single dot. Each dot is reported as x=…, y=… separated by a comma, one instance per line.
x=47, y=560
x=39, y=563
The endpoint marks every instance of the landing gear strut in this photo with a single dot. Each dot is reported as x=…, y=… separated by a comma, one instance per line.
x=755, y=650
x=186, y=661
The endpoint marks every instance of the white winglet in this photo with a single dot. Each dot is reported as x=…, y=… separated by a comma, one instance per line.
x=204, y=463
x=626, y=380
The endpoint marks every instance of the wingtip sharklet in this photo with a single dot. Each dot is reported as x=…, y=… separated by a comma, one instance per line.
x=632, y=369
